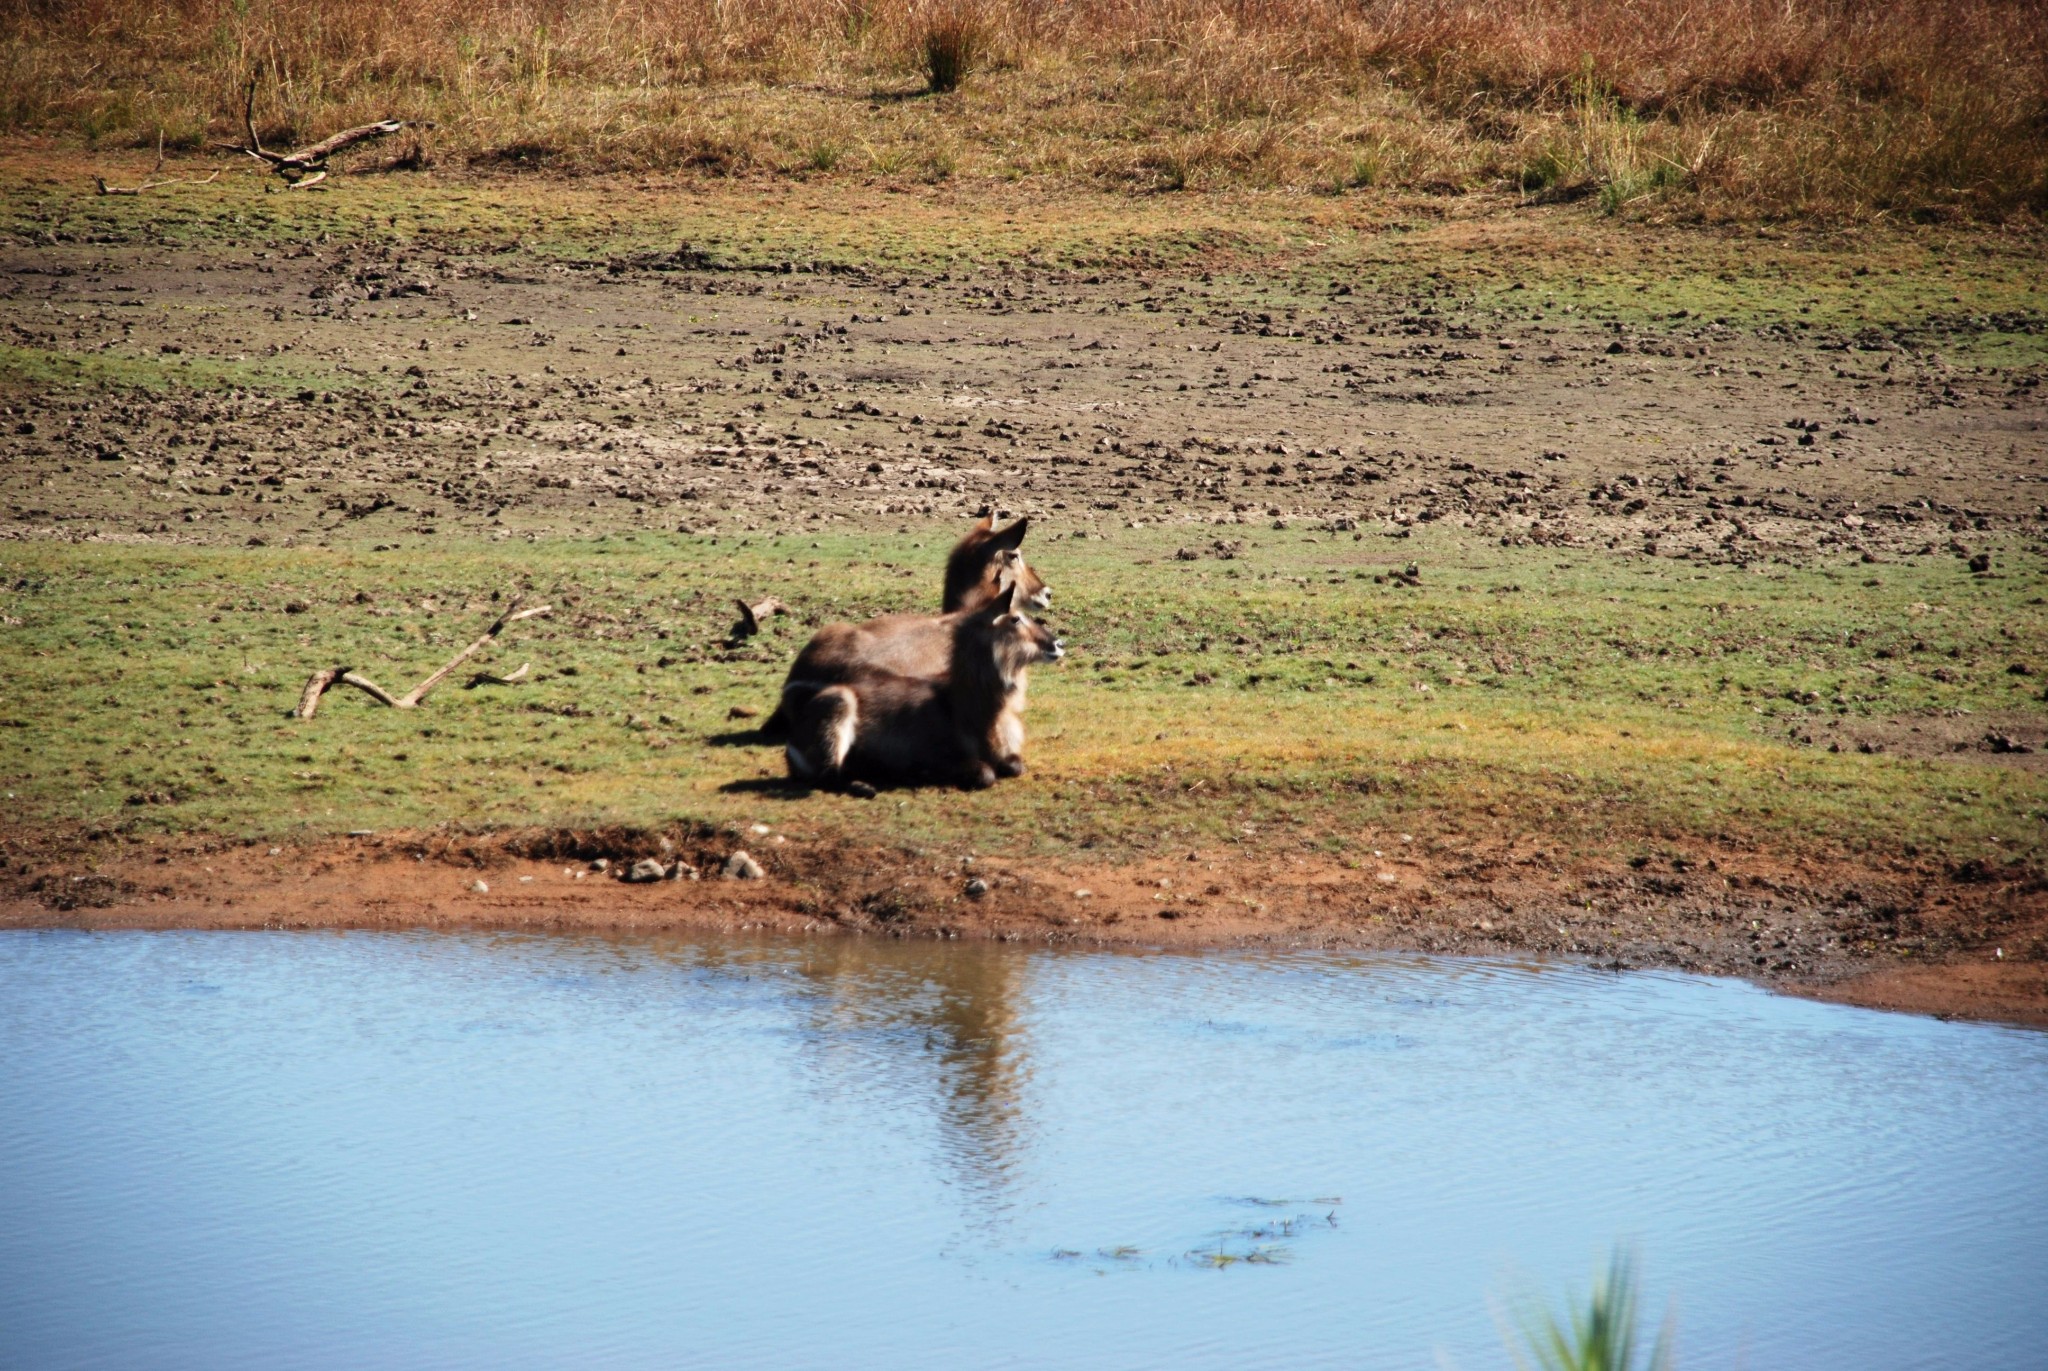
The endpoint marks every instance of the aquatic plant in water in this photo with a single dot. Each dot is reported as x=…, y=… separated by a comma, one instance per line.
x=1599, y=1335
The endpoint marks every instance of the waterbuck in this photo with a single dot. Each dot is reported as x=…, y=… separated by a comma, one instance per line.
x=959, y=727
x=983, y=565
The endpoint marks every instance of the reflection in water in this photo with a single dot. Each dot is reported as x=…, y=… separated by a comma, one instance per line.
x=409, y=1151
x=943, y=1034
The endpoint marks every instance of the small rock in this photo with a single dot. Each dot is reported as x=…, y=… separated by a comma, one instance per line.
x=601, y=864
x=2005, y=743
x=1084, y=894
x=740, y=867
x=742, y=712
x=977, y=888
x=646, y=869
x=683, y=871
x=479, y=887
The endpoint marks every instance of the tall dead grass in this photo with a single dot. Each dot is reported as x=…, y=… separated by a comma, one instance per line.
x=1765, y=107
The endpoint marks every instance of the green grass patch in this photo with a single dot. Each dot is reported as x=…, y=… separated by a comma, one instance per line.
x=1285, y=693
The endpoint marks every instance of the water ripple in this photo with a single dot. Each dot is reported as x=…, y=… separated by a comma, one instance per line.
x=412, y=1150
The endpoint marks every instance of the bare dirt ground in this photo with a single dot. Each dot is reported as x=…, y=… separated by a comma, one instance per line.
x=484, y=391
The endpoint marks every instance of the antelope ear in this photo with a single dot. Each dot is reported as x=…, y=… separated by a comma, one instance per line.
x=1006, y=603
x=1014, y=534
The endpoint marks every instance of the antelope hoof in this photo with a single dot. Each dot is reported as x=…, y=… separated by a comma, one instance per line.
x=860, y=790
x=1010, y=766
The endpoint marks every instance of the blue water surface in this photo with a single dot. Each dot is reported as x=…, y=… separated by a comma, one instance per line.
x=313, y=1150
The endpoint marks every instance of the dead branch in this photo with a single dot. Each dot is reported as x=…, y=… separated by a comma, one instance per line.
x=371, y=688
x=307, y=166
x=752, y=616
x=484, y=678
x=512, y=615
x=316, y=686
x=320, y=681
x=323, y=680
x=148, y=184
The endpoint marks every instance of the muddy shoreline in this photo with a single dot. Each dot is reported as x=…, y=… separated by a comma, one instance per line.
x=1882, y=935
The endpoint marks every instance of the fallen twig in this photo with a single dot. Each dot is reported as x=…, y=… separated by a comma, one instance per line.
x=148, y=184
x=484, y=678
x=752, y=616
x=323, y=680
x=307, y=166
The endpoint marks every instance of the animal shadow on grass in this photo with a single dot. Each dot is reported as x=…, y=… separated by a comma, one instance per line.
x=774, y=787
x=791, y=788
x=740, y=737
x=777, y=787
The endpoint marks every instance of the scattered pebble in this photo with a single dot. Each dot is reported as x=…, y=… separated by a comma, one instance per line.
x=741, y=867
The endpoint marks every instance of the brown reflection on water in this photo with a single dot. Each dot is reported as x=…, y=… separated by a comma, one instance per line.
x=938, y=1032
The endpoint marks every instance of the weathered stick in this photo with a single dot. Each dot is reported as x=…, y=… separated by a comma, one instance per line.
x=484, y=678
x=320, y=682
x=752, y=616
x=512, y=615
x=316, y=686
x=370, y=688
x=148, y=184
x=307, y=166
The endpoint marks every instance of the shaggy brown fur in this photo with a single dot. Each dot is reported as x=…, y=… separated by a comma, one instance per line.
x=983, y=565
x=959, y=728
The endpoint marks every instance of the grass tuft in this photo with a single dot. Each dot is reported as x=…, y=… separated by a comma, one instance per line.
x=1597, y=1335
x=954, y=39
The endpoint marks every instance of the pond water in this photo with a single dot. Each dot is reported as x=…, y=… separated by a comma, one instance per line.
x=310, y=1150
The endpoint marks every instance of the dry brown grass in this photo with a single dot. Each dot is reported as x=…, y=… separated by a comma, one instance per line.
x=1840, y=108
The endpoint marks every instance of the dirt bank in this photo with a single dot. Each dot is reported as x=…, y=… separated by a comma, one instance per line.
x=1963, y=942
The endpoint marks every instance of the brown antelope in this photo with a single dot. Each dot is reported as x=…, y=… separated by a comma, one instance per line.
x=983, y=565
x=958, y=728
